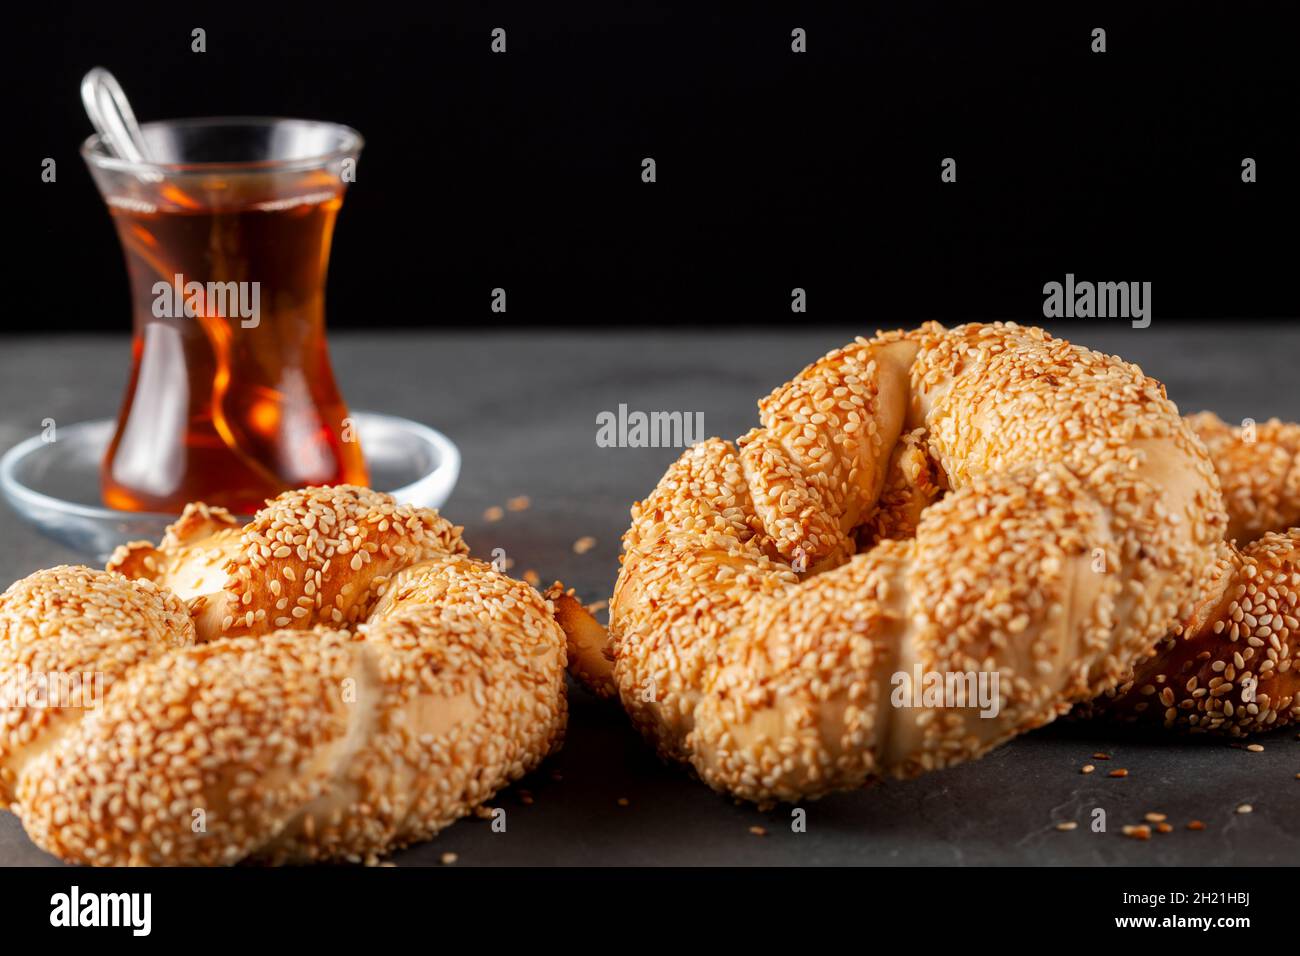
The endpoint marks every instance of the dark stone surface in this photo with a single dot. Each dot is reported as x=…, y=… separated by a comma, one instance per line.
x=523, y=409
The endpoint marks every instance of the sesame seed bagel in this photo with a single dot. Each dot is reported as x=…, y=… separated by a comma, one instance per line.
x=981, y=500
x=333, y=680
x=1259, y=471
x=74, y=622
x=1230, y=668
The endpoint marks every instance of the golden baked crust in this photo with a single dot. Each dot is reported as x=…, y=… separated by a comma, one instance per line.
x=590, y=662
x=320, y=555
x=1231, y=668
x=1259, y=471
x=67, y=634
x=1081, y=519
x=350, y=681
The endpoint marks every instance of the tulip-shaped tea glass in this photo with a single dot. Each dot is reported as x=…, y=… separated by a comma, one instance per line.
x=226, y=230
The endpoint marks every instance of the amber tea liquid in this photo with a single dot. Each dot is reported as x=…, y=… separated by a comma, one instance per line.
x=222, y=407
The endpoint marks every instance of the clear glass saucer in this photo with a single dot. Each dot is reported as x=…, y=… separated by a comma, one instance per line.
x=54, y=486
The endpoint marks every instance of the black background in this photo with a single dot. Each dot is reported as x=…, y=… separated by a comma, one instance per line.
x=775, y=169
x=338, y=906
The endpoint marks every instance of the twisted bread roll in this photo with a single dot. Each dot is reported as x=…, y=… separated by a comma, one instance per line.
x=1259, y=471
x=1080, y=520
x=1230, y=668
x=264, y=728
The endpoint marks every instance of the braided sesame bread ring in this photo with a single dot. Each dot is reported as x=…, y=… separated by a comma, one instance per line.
x=252, y=733
x=89, y=628
x=1231, y=668
x=1080, y=519
x=1259, y=471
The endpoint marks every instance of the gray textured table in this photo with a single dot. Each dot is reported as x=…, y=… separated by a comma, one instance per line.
x=523, y=409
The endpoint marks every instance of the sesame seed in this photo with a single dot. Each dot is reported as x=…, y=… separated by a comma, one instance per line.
x=1067, y=825
x=763, y=579
x=259, y=714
